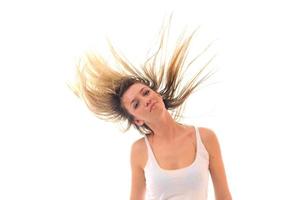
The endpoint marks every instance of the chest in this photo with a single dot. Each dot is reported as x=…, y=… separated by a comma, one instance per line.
x=175, y=156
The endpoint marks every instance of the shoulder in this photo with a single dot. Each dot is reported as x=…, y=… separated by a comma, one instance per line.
x=138, y=146
x=138, y=152
x=209, y=139
x=206, y=133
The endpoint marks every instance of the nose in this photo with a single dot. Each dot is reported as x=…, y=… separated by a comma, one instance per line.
x=148, y=102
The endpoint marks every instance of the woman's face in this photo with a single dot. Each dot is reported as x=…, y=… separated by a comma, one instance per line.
x=143, y=103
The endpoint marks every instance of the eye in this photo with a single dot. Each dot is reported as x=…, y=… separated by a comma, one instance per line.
x=146, y=92
x=136, y=104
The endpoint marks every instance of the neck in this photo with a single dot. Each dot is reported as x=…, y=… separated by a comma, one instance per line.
x=165, y=128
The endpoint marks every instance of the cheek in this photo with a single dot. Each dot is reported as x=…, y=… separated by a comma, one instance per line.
x=133, y=112
x=128, y=110
x=139, y=112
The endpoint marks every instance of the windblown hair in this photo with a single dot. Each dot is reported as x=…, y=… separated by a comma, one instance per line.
x=102, y=87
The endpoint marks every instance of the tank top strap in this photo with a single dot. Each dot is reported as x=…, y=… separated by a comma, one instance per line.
x=197, y=139
x=149, y=150
x=200, y=146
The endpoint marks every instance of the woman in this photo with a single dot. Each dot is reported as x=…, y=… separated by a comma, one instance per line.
x=172, y=160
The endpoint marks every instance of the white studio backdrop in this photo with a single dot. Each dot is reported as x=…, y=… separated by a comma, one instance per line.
x=52, y=147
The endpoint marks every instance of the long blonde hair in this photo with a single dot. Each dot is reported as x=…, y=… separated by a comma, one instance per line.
x=101, y=87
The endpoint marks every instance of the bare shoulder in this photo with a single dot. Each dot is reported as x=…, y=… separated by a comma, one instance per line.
x=209, y=139
x=216, y=166
x=139, y=152
x=139, y=143
x=206, y=133
x=138, y=181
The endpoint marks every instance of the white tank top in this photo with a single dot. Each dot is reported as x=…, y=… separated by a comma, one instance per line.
x=188, y=183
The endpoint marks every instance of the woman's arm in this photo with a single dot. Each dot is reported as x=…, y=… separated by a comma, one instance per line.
x=138, y=177
x=216, y=166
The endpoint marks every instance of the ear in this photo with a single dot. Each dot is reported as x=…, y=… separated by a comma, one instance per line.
x=138, y=122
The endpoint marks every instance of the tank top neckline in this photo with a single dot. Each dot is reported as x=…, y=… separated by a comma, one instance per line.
x=150, y=153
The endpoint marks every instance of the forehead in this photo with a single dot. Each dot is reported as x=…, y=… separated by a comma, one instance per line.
x=132, y=92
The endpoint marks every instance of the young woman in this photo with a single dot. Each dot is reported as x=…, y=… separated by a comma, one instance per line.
x=172, y=160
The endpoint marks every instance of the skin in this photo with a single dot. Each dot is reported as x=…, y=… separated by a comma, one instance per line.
x=173, y=145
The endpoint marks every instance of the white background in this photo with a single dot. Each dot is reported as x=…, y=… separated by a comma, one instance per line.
x=52, y=147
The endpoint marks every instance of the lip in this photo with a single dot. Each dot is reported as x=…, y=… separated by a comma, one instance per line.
x=151, y=107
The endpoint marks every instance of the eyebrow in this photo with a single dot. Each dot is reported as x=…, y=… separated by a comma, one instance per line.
x=139, y=92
